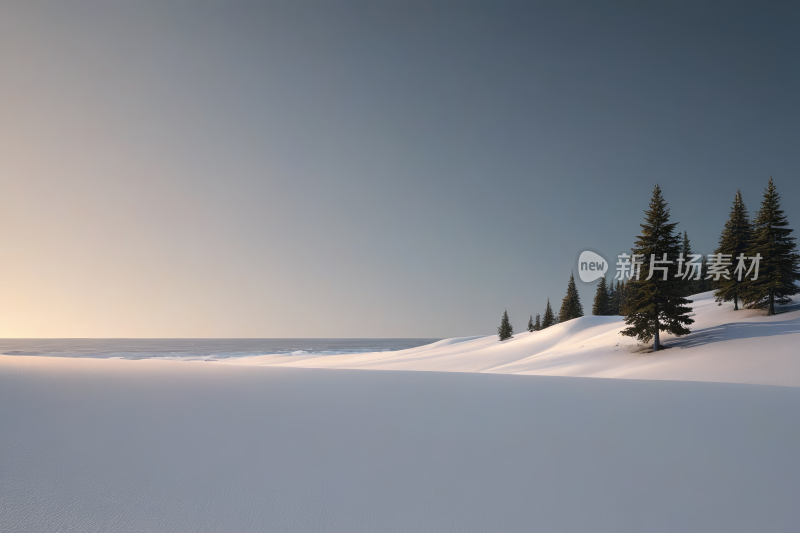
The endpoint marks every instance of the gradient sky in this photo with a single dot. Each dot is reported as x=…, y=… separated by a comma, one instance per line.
x=367, y=169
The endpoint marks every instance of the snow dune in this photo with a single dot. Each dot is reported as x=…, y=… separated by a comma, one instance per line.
x=742, y=346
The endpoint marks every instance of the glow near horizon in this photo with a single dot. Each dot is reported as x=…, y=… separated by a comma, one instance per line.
x=354, y=171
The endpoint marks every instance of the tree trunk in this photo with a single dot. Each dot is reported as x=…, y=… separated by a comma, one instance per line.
x=735, y=302
x=656, y=340
x=771, y=302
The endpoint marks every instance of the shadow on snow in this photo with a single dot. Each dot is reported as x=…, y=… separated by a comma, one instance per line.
x=737, y=330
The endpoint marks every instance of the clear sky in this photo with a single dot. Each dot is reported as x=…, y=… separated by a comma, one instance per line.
x=367, y=169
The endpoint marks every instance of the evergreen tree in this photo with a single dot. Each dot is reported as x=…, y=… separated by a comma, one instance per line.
x=601, y=298
x=619, y=291
x=571, y=304
x=627, y=294
x=612, y=296
x=531, y=327
x=735, y=240
x=657, y=304
x=694, y=284
x=686, y=248
x=779, y=269
x=549, y=317
x=689, y=285
x=632, y=292
x=505, y=331
x=704, y=284
x=537, y=324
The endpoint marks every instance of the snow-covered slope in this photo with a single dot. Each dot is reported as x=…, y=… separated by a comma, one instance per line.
x=742, y=346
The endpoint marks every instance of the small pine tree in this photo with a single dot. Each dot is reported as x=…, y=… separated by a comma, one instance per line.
x=735, y=240
x=530, y=324
x=689, y=286
x=601, y=298
x=612, y=296
x=686, y=247
x=779, y=269
x=658, y=304
x=571, y=304
x=549, y=317
x=537, y=324
x=696, y=284
x=505, y=331
x=704, y=284
x=619, y=293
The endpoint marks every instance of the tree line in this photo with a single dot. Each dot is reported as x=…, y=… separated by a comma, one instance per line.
x=657, y=302
x=571, y=307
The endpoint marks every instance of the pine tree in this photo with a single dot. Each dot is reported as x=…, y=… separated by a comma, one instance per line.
x=612, y=297
x=704, y=284
x=505, y=331
x=694, y=284
x=601, y=298
x=531, y=327
x=549, y=317
x=619, y=293
x=658, y=304
x=628, y=295
x=779, y=269
x=571, y=304
x=688, y=285
x=686, y=247
x=537, y=324
x=735, y=240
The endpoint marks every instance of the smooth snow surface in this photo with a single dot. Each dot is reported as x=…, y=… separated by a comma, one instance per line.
x=730, y=346
x=162, y=446
x=97, y=445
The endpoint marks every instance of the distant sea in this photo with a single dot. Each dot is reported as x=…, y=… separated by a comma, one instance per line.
x=199, y=349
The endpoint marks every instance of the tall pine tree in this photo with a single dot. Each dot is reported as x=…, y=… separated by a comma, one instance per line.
x=505, y=331
x=658, y=304
x=628, y=294
x=779, y=269
x=571, y=304
x=537, y=324
x=549, y=317
x=736, y=239
x=531, y=326
x=601, y=303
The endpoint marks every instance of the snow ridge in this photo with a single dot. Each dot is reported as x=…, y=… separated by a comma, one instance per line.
x=742, y=346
